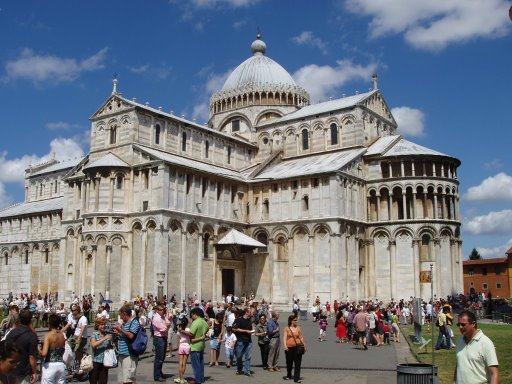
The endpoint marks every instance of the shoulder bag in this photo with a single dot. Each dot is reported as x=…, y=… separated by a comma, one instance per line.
x=300, y=347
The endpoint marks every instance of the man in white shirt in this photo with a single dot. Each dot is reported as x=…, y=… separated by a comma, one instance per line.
x=477, y=362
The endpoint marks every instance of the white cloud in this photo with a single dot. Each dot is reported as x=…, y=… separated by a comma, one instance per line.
x=61, y=126
x=493, y=164
x=239, y=24
x=410, y=121
x=208, y=4
x=41, y=68
x=213, y=84
x=5, y=199
x=433, y=25
x=159, y=72
x=494, y=223
x=307, y=38
x=325, y=81
x=13, y=170
x=494, y=188
x=498, y=251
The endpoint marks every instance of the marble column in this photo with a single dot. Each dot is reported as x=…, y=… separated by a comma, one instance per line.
x=416, y=267
x=392, y=266
x=108, y=271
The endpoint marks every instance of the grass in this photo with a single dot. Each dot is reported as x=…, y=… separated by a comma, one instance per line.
x=500, y=334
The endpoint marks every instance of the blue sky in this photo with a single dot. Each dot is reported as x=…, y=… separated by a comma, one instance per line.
x=444, y=68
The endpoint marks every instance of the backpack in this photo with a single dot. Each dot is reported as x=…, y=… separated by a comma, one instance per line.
x=140, y=341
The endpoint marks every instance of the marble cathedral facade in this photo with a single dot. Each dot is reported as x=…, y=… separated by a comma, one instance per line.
x=344, y=206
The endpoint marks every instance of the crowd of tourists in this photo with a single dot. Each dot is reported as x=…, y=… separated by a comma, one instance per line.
x=193, y=327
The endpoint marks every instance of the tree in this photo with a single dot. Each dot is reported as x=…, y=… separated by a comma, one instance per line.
x=474, y=255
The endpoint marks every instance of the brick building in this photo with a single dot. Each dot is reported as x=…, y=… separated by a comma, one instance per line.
x=487, y=275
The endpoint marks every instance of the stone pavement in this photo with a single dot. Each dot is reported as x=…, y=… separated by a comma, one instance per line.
x=325, y=362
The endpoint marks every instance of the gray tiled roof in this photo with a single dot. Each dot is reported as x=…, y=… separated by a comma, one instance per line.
x=27, y=208
x=59, y=166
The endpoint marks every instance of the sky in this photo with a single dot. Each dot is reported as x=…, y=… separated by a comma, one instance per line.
x=443, y=65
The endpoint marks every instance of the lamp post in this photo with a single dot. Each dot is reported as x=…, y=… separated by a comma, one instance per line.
x=160, y=277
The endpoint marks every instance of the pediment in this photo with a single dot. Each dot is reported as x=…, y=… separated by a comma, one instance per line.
x=376, y=103
x=113, y=105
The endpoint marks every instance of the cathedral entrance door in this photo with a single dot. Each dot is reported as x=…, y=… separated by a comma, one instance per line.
x=228, y=281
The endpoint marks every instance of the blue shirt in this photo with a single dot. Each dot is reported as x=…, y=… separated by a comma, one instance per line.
x=271, y=326
x=130, y=326
x=99, y=351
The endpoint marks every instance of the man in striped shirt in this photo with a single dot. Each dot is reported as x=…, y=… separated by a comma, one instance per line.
x=127, y=332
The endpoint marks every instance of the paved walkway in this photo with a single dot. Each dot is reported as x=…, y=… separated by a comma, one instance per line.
x=325, y=362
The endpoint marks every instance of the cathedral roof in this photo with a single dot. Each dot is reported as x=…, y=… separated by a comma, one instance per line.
x=32, y=207
x=310, y=165
x=327, y=106
x=258, y=71
x=239, y=238
x=56, y=166
x=109, y=160
x=189, y=163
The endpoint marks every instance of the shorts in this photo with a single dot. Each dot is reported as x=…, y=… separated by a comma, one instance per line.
x=184, y=349
x=171, y=336
x=214, y=343
x=127, y=366
x=380, y=330
x=361, y=334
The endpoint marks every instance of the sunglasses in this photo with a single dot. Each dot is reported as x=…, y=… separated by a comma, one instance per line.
x=463, y=325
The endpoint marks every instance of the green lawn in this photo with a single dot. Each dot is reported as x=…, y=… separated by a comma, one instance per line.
x=445, y=360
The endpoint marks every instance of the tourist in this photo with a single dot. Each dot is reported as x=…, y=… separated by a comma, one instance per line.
x=322, y=324
x=243, y=331
x=360, y=325
x=198, y=330
x=476, y=356
x=183, y=334
x=294, y=347
x=341, y=327
x=100, y=342
x=229, y=341
x=263, y=340
x=441, y=323
x=161, y=324
x=273, y=332
x=216, y=330
x=9, y=359
x=127, y=369
x=395, y=326
x=25, y=338
x=54, y=370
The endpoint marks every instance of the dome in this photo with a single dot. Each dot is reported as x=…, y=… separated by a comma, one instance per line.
x=258, y=72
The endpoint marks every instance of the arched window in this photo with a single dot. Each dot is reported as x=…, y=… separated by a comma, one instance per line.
x=281, y=249
x=206, y=149
x=26, y=256
x=229, y=155
x=6, y=259
x=184, y=141
x=157, y=134
x=425, y=248
x=119, y=182
x=305, y=139
x=334, y=134
x=113, y=134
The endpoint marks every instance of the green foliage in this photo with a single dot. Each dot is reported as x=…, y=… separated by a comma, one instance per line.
x=474, y=255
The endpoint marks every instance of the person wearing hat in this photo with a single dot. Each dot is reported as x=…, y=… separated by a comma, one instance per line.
x=443, y=329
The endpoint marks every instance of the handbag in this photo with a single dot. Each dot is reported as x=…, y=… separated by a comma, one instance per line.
x=300, y=347
x=110, y=358
x=86, y=363
x=69, y=355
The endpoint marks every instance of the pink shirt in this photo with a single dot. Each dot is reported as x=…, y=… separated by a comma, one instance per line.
x=160, y=325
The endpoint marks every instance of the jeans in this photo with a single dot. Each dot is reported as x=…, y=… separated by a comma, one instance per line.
x=442, y=333
x=243, y=349
x=160, y=344
x=197, y=361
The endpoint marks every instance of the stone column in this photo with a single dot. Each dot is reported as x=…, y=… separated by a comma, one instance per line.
x=390, y=170
x=183, y=263
x=82, y=271
x=93, y=267
x=378, y=206
x=413, y=170
x=111, y=194
x=437, y=258
x=404, y=204
x=443, y=206
x=371, y=269
x=392, y=266
x=454, y=264
x=402, y=169
x=199, y=264
x=311, y=265
x=97, y=181
x=416, y=266
x=143, y=257
x=390, y=206
x=107, y=272
x=435, y=205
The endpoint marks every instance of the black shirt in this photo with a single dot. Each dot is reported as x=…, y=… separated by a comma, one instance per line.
x=243, y=323
x=26, y=342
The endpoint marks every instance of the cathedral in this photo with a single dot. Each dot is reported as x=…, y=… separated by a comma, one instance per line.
x=273, y=196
